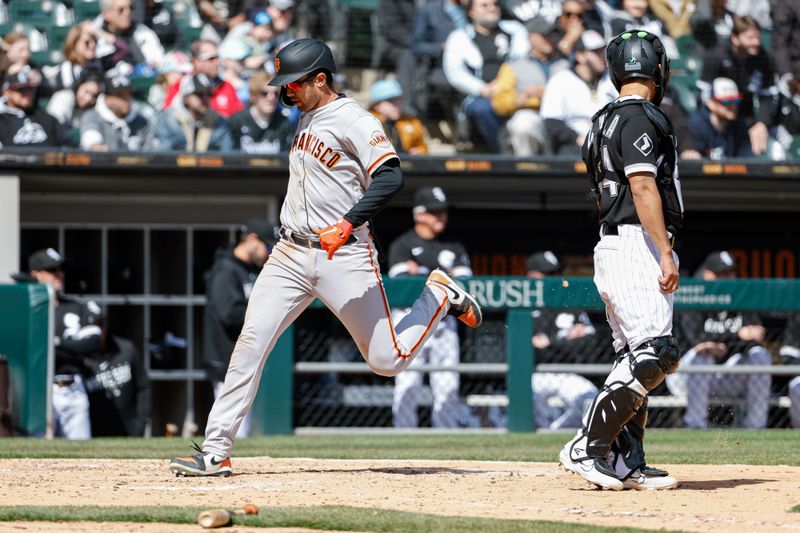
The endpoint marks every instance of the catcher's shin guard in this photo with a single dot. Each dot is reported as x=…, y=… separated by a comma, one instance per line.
x=623, y=395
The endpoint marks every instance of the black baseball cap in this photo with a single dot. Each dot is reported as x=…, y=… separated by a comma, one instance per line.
x=25, y=78
x=45, y=259
x=545, y=262
x=262, y=228
x=717, y=262
x=116, y=83
x=197, y=84
x=430, y=199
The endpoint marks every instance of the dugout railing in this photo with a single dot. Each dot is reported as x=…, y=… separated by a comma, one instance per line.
x=507, y=300
x=515, y=299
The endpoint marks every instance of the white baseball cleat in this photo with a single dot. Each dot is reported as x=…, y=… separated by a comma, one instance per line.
x=201, y=464
x=638, y=481
x=462, y=304
x=595, y=471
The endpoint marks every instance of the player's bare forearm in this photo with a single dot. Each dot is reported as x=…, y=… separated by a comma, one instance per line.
x=649, y=210
x=647, y=201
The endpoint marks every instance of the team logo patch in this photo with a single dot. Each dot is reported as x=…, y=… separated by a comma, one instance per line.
x=379, y=138
x=632, y=64
x=277, y=65
x=644, y=144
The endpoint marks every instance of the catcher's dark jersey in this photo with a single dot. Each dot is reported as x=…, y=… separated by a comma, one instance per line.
x=450, y=256
x=624, y=140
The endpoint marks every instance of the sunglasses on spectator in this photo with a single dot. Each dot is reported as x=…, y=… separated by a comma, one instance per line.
x=295, y=85
x=572, y=14
x=730, y=103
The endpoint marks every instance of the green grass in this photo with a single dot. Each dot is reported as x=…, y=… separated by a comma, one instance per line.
x=336, y=518
x=795, y=509
x=768, y=447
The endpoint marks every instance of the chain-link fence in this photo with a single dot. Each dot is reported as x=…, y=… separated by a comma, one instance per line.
x=459, y=380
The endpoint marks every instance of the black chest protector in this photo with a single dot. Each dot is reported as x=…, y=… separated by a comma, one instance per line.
x=666, y=172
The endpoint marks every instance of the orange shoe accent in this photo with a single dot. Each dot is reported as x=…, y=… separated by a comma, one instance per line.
x=469, y=318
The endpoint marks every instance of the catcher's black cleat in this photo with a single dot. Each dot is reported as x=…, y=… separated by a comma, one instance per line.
x=201, y=464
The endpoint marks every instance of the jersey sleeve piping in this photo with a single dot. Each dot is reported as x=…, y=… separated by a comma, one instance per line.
x=640, y=167
x=380, y=161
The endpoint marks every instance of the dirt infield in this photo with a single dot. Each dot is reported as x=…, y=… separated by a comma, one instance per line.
x=722, y=497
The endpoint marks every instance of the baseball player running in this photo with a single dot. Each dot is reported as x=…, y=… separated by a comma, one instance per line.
x=342, y=171
x=630, y=152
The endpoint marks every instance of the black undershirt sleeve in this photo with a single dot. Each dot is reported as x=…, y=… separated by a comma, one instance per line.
x=387, y=180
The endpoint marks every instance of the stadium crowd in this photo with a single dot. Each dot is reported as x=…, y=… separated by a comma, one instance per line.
x=518, y=77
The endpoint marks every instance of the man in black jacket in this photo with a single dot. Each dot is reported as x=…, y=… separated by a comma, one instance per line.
x=21, y=123
x=228, y=286
x=727, y=339
x=118, y=388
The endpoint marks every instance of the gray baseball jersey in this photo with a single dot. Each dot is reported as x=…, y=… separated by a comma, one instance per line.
x=333, y=154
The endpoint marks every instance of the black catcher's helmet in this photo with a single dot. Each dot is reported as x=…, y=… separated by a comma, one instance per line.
x=299, y=58
x=638, y=54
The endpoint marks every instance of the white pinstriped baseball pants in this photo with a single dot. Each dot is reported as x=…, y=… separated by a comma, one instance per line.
x=626, y=272
x=350, y=286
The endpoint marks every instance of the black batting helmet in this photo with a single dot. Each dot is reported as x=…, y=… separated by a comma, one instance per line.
x=299, y=58
x=638, y=54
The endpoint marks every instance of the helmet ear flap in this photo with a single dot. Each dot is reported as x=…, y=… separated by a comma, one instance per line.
x=284, y=98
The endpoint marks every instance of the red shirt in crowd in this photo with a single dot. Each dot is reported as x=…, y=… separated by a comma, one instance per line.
x=223, y=98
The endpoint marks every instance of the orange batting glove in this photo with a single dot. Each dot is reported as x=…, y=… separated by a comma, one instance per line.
x=333, y=237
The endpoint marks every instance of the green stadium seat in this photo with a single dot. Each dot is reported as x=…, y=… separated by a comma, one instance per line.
x=85, y=9
x=686, y=88
x=47, y=57
x=30, y=11
x=141, y=86
x=793, y=152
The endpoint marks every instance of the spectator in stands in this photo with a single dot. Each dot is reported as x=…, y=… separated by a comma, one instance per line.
x=543, y=49
x=745, y=62
x=597, y=16
x=395, y=29
x=173, y=67
x=687, y=147
x=573, y=95
x=117, y=123
x=405, y=131
x=156, y=15
x=432, y=25
x=561, y=337
x=727, y=339
x=526, y=10
x=15, y=52
x=417, y=252
x=261, y=128
x=221, y=15
x=472, y=59
x=788, y=113
x=786, y=35
x=636, y=14
x=717, y=128
x=79, y=56
x=117, y=385
x=205, y=61
x=250, y=41
x=21, y=122
x=282, y=13
x=69, y=105
x=676, y=16
x=790, y=352
x=76, y=334
x=190, y=124
x=228, y=285
x=518, y=97
x=133, y=44
x=712, y=23
x=569, y=27
x=758, y=9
